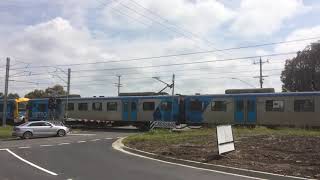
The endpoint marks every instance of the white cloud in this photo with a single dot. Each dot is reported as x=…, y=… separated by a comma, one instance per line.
x=299, y=34
x=195, y=16
x=257, y=17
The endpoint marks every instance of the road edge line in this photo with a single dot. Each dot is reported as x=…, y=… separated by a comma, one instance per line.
x=242, y=172
x=118, y=145
x=30, y=163
x=215, y=165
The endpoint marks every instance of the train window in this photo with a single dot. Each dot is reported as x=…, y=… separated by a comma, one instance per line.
x=112, y=106
x=166, y=106
x=133, y=106
x=195, y=105
x=70, y=107
x=125, y=107
x=83, y=106
x=274, y=105
x=97, y=106
x=239, y=105
x=251, y=105
x=219, y=106
x=41, y=107
x=148, y=106
x=303, y=105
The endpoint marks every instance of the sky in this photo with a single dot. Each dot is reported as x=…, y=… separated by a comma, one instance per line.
x=100, y=39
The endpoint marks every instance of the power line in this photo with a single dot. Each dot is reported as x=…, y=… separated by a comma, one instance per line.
x=187, y=63
x=176, y=26
x=175, y=55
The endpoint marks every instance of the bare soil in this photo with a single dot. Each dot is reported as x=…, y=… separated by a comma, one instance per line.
x=286, y=155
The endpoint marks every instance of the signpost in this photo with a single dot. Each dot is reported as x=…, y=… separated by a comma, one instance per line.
x=225, y=139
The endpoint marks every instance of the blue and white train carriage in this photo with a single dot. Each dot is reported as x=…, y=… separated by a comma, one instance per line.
x=270, y=109
x=127, y=110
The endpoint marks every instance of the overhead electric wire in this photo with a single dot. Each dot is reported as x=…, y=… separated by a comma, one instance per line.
x=222, y=77
x=175, y=55
x=171, y=24
x=187, y=63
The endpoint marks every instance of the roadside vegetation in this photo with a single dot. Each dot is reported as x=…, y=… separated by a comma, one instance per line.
x=167, y=136
x=284, y=151
x=5, y=132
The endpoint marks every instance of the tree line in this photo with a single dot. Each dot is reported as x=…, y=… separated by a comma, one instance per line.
x=302, y=73
x=56, y=90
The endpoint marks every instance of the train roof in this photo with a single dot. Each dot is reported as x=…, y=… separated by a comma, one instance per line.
x=261, y=94
x=192, y=96
x=113, y=97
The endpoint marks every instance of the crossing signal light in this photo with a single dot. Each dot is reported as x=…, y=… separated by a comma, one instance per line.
x=52, y=103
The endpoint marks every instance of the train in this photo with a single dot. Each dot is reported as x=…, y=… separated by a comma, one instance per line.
x=16, y=110
x=292, y=109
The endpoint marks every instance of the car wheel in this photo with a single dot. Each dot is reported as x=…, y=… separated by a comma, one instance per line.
x=61, y=133
x=27, y=135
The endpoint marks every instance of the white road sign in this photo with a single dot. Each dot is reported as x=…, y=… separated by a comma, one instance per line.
x=225, y=139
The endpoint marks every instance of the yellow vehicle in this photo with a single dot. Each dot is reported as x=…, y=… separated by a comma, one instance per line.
x=20, y=110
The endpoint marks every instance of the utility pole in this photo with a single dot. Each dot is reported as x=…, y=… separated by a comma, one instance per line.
x=5, y=97
x=68, y=92
x=173, y=77
x=118, y=84
x=261, y=75
x=172, y=105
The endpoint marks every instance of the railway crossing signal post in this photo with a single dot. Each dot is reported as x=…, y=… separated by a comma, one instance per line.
x=5, y=97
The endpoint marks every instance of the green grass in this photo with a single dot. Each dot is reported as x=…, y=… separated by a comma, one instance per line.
x=166, y=136
x=5, y=132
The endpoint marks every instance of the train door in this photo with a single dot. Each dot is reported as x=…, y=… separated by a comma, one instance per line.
x=245, y=110
x=129, y=110
x=182, y=111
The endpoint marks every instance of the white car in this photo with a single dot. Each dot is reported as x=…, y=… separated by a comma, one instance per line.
x=39, y=129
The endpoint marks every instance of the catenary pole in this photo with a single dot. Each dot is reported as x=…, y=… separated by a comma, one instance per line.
x=68, y=92
x=5, y=97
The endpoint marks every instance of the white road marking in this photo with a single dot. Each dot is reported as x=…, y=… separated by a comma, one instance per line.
x=45, y=145
x=108, y=138
x=3, y=149
x=24, y=147
x=81, y=134
x=63, y=144
x=31, y=164
x=81, y=141
x=119, y=137
x=95, y=140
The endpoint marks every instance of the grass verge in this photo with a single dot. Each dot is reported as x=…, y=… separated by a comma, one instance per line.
x=5, y=132
x=167, y=136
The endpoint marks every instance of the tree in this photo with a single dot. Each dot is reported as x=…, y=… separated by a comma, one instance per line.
x=56, y=90
x=302, y=73
x=37, y=93
x=13, y=96
x=10, y=95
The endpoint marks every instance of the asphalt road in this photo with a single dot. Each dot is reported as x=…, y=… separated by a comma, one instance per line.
x=88, y=155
